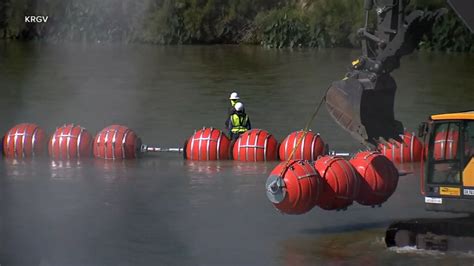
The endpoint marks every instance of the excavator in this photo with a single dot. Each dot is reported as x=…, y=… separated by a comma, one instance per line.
x=363, y=104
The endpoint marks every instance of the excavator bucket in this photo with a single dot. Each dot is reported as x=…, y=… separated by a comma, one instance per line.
x=362, y=103
x=365, y=108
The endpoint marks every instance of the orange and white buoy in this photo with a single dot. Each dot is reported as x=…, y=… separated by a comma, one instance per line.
x=341, y=182
x=255, y=145
x=409, y=150
x=207, y=144
x=310, y=147
x=446, y=145
x=116, y=142
x=379, y=177
x=70, y=142
x=294, y=187
x=23, y=141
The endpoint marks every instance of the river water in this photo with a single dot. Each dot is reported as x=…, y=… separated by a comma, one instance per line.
x=163, y=210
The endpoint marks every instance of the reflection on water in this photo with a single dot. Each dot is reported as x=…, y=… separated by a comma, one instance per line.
x=444, y=257
x=111, y=170
x=252, y=168
x=23, y=169
x=206, y=168
x=66, y=170
x=39, y=168
x=209, y=172
x=163, y=210
x=365, y=247
x=337, y=249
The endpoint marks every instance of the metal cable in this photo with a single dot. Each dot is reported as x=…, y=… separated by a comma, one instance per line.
x=305, y=131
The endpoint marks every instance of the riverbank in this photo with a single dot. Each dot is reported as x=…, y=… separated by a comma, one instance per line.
x=271, y=23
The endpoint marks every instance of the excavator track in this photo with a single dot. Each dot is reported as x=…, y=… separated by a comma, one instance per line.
x=448, y=234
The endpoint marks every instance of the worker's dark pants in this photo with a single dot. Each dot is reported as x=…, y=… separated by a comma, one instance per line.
x=234, y=136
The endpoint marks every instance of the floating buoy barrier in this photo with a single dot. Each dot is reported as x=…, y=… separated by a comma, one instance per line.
x=379, y=177
x=446, y=145
x=207, y=144
x=23, y=141
x=341, y=183
x=309, y=148
x=70, y=142
x=255, y=145
x=116, y=142
x=409, y=150
x=294, y=187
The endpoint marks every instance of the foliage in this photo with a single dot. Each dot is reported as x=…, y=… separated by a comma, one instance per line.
x=335, y=23
x=272, y=23
x=286, y=27
x=165, y=25
x=449, y=34
x=321, y=23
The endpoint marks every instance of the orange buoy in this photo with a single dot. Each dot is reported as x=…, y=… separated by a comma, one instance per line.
x=207, y=144
x=70, y=142
x=341, y=182
x=379, y=177
x=310, y=148
x=294, y=188
x=116, y=142
x=255, y=145
x=409, y=150
x=446, y=145
x=23, y=141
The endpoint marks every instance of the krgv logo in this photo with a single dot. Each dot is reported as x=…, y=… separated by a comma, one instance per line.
x=36, y=19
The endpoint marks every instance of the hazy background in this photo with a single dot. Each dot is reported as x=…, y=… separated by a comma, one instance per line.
x=162, y=210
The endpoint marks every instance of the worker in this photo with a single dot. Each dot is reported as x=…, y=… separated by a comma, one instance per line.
x=238, y=122
x=234, y=98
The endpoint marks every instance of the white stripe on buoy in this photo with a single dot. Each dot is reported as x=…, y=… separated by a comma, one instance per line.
x=78, y=143
x=219, y=145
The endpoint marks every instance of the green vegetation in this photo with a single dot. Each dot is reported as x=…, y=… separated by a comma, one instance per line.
x=449, y=34
x=321, y=23
x=272, y=23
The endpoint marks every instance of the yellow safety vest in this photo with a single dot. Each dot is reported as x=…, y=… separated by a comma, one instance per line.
x=239, y=124
x=233, y=102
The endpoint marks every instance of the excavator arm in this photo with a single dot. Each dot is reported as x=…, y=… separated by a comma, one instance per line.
x=363, y=102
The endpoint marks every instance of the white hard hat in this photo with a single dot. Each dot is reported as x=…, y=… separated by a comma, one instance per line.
x=239, y=107
x=234, y=96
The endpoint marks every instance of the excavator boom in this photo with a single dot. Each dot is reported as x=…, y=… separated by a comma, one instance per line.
x=465, y=10
x=363, y=102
